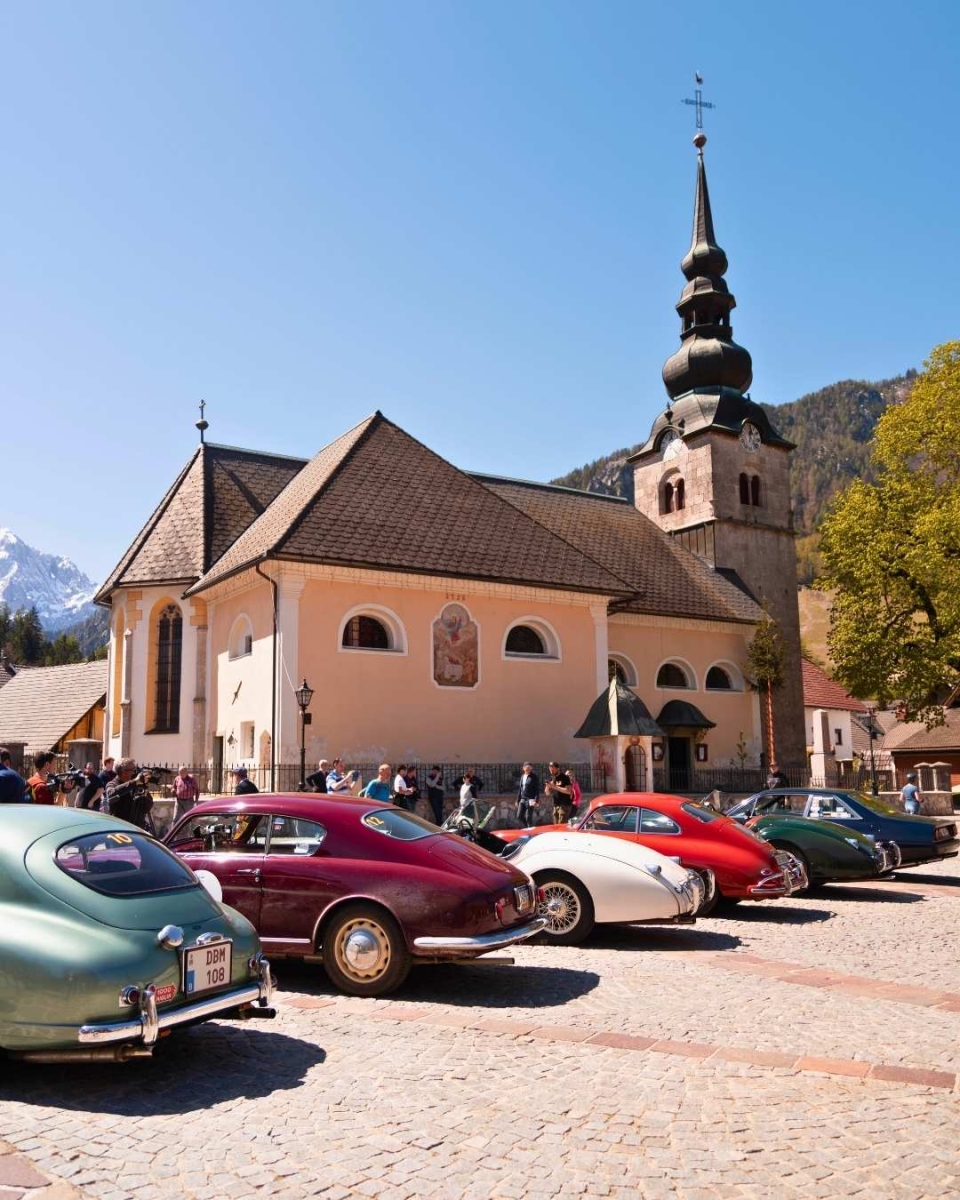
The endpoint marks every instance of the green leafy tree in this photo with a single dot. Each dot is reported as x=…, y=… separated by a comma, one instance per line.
x=891, y=551
x=764, y=670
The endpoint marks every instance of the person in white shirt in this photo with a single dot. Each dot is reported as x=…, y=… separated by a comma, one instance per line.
x=466, y=789
x=400, y=789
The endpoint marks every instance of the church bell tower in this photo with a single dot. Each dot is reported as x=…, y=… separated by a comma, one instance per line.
x=714, y=472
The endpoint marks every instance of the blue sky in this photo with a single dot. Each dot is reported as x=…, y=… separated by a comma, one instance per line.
x=469, y=215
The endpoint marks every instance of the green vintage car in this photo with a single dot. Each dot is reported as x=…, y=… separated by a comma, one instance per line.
x=828, y=850
x=108, y=941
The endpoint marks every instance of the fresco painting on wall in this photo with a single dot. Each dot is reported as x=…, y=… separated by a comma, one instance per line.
x=455, y=648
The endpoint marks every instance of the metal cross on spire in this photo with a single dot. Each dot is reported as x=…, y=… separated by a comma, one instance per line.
x=698, y=101
x=203, y=425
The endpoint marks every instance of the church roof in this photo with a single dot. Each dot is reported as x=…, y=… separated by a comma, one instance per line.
x=216, y=496
x=378, y=498
x=681, y=714
x=663, y=576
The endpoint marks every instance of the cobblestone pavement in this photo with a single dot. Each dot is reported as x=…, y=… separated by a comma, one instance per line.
x=796, y=1048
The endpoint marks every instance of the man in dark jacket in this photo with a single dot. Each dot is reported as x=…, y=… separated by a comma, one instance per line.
x=527, y=796
x=12, y=783
x=245, y=786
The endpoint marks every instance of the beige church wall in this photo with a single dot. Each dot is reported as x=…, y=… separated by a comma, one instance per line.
x=370, y=705
x=140, y=608
x=240, y=687
x=648, y=642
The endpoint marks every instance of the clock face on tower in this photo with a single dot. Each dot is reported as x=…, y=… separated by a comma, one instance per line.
x=671, y=445
x=750, y=438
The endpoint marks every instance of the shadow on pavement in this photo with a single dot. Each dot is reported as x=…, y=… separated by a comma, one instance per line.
x=775, y=914
x=466, y=984
x=870, y=895
x=191, y=1071
x=912, y=876
x=661, y=939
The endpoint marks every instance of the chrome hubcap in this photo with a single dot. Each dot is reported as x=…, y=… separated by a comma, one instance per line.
x=561, y=907
x=363, y=949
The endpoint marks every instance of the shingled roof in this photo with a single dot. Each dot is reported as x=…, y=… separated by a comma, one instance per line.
x=40, y=705
x=820, y=691
x=378, y=498
x=216, y=496
x=662, y=575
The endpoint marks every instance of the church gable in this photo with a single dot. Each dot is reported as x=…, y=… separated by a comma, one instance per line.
x=378, y=498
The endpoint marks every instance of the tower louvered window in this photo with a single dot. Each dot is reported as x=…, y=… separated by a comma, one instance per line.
x=169, y=644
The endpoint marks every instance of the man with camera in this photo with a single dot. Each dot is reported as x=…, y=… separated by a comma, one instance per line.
x=39, y=790
x=128, y=796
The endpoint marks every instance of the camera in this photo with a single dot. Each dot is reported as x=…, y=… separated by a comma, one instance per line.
x=62, y=782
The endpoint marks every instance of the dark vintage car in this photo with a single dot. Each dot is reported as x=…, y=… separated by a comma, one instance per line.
x=829, y=851
x=921, y=839
x=365, y=888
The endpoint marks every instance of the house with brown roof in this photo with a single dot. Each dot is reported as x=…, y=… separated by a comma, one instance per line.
x=823, y=695
x=444, y=616
x=43, y=708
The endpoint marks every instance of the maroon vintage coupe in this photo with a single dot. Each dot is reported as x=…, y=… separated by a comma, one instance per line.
x=365, y=888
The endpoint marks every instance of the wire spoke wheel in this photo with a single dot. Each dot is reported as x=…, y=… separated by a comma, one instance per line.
x=567, y=906
x=561, y=907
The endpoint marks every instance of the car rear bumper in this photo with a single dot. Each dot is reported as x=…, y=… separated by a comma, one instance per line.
x=792, y=878
x=147, y=1027
x=458, y=947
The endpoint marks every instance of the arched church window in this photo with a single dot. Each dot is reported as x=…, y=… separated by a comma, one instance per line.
x=755, y=490
x=365, y=633
x=718, y=680
x=241, y=637
x=620, y=667
x=666, y=502
x=169, y=634
x=523, y=640
x=744, y=489
x=679, y=494
x=672, y=675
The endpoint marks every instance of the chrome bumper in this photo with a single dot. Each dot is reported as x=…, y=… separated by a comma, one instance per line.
x=483, y=941
x=793, y=878
x=146, y=1028
x=891, y=856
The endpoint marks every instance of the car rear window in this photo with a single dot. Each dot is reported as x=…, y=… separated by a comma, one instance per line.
x=706, y=815
x=123, y=864
x=396, y=823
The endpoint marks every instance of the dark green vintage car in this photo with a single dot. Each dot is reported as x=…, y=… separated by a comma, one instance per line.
x=829, y=851
x=108, y=941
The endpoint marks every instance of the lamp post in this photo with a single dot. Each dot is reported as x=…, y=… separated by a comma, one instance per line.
x=304, y=695
x=872, y=731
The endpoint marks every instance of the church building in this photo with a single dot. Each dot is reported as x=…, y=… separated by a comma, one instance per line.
x=447, y=616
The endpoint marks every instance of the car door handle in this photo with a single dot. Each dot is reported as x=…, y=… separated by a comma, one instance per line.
x=254, y=871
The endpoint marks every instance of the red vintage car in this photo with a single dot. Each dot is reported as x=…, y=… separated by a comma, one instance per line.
x=744, y=866
x=365, y=888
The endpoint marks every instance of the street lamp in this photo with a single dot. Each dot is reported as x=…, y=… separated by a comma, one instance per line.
x=873, y=733
x=304, y=695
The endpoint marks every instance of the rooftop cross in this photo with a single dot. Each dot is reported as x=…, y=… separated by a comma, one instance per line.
x=698, y=101
x=203, y=425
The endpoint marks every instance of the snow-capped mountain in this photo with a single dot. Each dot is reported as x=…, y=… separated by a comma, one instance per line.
x=57, y=587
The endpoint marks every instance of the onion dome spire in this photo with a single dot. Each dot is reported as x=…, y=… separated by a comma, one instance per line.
x=708, y=358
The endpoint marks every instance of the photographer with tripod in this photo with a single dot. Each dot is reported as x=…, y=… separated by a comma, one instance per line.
x=128, y=796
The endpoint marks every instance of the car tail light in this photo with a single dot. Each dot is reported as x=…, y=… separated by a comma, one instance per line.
x=129, y=996
x=501, y=904
x=943, y=832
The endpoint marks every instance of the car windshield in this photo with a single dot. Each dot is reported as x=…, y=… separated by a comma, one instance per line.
x=123, y=864
x=875, y=805
x=396, y=823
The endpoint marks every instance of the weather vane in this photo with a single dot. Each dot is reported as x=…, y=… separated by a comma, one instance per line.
x=203, y=425
x=698, y=101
